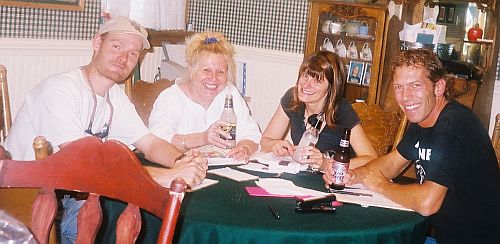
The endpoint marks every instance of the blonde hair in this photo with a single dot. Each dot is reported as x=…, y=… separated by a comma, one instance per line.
x=212, y=42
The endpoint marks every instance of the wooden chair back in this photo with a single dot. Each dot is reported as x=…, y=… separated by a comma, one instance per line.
x=467, y=90
x=6, y=120
x=384, y=128
x=100, y=168
x=143, y=95
x=495, y=137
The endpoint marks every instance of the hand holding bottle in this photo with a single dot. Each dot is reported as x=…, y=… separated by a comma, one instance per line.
x=311, y=156
x=309, y=139
x=215, y=134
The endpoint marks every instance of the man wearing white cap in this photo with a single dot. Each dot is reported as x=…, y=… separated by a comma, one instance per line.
x=87, y=102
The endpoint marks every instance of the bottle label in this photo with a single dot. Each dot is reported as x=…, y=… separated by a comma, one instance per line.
x=228, y=103
x=339, y=171
x=344, y=143
x=231, y=129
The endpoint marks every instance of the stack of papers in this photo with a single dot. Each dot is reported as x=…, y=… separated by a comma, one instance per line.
x=233, y=174
x=205, y=183
x=364, y=197
x=425, y=33
x=268, y=163
x=278, y=186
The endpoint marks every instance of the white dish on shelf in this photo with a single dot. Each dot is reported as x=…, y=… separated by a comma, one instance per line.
x=364, y=36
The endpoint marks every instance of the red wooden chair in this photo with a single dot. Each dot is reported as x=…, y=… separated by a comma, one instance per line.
x=89, y=165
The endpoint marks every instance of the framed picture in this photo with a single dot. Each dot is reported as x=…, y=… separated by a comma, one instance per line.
x=355, y=72
x=442, y=14
x=450, y=14
x=48, y=4
x=366, y=75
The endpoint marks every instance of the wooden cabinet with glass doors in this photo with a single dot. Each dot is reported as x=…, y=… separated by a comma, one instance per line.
x=356, y=32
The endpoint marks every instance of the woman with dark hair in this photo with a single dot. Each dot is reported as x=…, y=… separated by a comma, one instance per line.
x=319, y=90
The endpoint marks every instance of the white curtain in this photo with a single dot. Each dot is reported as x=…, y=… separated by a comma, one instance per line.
x=155, y=14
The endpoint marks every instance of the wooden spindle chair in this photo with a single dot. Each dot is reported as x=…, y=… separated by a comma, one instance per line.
x=6, y=120
x=100, y=168
x=384, y=128
x=495, y=137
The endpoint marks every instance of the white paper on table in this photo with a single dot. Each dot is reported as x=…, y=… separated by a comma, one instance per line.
x=259, y=168
x=276, y=164
x=223, y=161
x=205, y=183
x=285, y=187
x=376, y=200
x=233, y=174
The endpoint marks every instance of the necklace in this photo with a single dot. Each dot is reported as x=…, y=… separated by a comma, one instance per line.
x=103, y=134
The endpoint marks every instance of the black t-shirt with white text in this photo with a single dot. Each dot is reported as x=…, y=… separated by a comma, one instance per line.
x=457, y=153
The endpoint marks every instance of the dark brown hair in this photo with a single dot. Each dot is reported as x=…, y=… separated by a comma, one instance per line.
x=428, y=61
x=319, y=65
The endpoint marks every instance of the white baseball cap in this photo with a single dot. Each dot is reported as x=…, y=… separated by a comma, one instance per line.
x=121, y=24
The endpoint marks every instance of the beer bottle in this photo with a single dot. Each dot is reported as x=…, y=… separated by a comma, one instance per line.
x=341, y=161
x=229, y=116
x=310, y=136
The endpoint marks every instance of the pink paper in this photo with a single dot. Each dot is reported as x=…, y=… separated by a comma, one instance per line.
x=257, y=191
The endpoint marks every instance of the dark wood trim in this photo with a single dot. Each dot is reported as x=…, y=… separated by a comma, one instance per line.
x=171, y=36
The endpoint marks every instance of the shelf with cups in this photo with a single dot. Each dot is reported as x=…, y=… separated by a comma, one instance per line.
x=356, y=33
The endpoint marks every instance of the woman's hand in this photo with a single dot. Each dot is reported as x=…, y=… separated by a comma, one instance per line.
x=240, y=153
x=312, y=156
x=283, y=148
x=215, y=135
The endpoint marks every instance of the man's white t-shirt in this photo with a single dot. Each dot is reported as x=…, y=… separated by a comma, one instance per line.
x=60, y=108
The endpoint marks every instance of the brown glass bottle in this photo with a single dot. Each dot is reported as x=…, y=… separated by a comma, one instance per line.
x=341, y=161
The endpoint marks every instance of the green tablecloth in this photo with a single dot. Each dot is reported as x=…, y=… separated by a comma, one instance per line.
x=225, y=213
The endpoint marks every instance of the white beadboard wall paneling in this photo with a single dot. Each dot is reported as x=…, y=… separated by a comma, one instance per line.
x=29, y=61
x=269, y=74
x=150, y=63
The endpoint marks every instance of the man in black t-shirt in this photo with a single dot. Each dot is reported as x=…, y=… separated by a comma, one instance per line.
x=457, y=170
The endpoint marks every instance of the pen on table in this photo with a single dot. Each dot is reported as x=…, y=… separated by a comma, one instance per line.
x=351, y=193
x=274, y=212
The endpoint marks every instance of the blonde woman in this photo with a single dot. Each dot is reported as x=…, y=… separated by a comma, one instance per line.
x=187, y=113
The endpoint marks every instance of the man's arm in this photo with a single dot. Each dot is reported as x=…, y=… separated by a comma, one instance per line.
x=391, y=165
x=192, y=169
x=158, y=150
x=425, y=198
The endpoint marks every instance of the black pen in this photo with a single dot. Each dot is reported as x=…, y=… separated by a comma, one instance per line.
x=274, y=212
x=351, y=193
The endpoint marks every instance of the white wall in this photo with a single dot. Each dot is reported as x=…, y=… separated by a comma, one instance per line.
x=28, y=61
